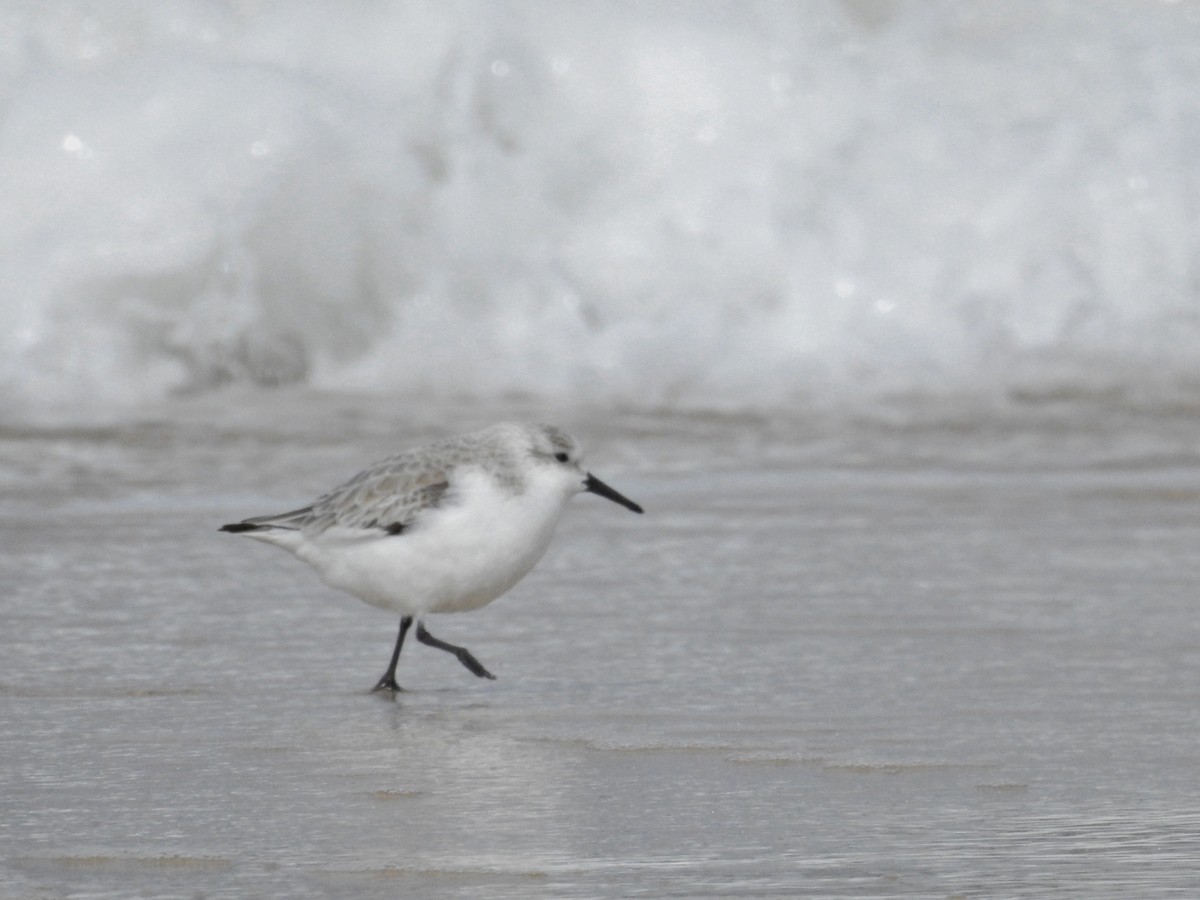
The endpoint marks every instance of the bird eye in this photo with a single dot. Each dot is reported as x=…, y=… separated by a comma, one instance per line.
x=561, y=457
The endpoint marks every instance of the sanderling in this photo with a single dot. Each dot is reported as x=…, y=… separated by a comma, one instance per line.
x=447, y=527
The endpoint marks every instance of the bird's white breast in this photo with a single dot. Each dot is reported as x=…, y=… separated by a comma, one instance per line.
x=458, y=556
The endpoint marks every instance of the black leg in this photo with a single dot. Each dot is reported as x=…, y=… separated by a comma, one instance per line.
x=388, y=681
x=463, y=654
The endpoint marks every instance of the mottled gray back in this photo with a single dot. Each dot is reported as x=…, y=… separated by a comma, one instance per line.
x=393, y=491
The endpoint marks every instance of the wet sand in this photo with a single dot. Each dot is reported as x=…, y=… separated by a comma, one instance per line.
x=792, y=677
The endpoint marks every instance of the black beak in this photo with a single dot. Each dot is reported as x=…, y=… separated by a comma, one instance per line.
x=596, y=486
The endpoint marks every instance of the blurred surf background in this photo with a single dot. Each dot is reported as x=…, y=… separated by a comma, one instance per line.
x=750, y=206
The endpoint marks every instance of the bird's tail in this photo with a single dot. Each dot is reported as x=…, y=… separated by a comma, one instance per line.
x=281, y=529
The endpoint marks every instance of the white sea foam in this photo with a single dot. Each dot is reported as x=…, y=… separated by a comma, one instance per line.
x=732, y=204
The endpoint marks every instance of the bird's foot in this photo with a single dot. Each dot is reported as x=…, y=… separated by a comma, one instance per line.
x=475, y=666
x=387, y=683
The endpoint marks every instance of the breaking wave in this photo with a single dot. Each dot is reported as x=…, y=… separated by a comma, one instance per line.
x=731, y=205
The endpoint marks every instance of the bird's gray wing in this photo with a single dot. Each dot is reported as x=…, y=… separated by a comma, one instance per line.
x=384, y=498
x=387, y=497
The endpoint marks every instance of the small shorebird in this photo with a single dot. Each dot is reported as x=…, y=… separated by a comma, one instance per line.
x=447, y=527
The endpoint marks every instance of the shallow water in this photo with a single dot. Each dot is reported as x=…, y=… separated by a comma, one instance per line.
x=794, y=676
